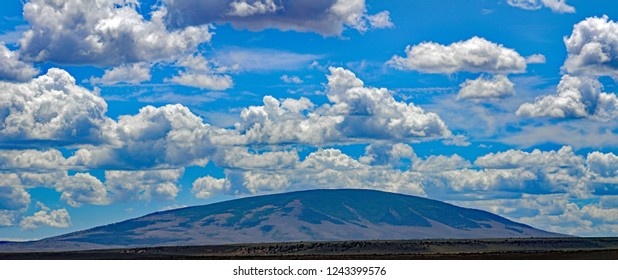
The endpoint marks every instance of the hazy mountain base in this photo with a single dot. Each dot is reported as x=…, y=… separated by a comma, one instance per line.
x=488, y=249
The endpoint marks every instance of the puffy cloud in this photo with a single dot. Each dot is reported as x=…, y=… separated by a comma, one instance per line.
x=143, y=184
x=245, y=8
x=475, y=185
x=46, y=217
x=381, y=20
x=329, y=159
x=13, y=198
x=285, y=122
x=482, y=88
x=535, y=59
x=473, y=55
x=478, y=184
x=607, y=107
x=555, y=171
x=105, y=33
x=526, y=4
x=374, y=113
x=327, y=17
x=326, y=168
x=593, y=48
x=31, y=179
x=356, y=113
x=506, y=175
x=291, y=79
x=331, y=168
x=516, y=158
x=587, y=220
x=557, y=6
x=195, y=62
x=578, y=97
x=82, y=188
x=600, y=164
x=31, y=160
x=49, y=170
x=340, y=80
x=20, y=169
x=127, y=73
x=457, y=140
x=602, y=173
x=387, y=154
x=7, y=218
x=525, y=206
x=166, y=137
x=555, y=212
x=503, y=175
x=52, y=109
x=206, y=187
x=201, y=73
x=11, y=68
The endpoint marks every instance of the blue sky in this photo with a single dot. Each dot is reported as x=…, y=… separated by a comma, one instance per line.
x=116, y=109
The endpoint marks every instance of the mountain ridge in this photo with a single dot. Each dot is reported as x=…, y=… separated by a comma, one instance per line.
x=310, y=215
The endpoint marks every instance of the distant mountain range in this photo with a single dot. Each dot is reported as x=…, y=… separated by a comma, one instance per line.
x=315, y=215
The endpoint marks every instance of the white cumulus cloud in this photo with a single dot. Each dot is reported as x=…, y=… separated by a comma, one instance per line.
x=128, y=73
x=328, y=17
x=381, y=20
x=82, y=188
x=104, y=33
x=143, y=184
x=515, y=158
x=13, y=198
x=326, y=168
x=31, y=160
x=557, y=6
x=11, y=68
x=473, y=55
x=592, y=48
x=201, y=73
x=51, y=108
x=577, y=97
x=387, y=154
x=166, y=137
x=291, y=79
x=356, y=113
x=208, y=186
x=46, y=217
x=482, y=88
x=245, y=8
x=535, y=59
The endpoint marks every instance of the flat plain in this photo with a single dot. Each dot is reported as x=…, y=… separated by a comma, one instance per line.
x=454, y=249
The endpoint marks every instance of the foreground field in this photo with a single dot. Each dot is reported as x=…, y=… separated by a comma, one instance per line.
x=520, y=248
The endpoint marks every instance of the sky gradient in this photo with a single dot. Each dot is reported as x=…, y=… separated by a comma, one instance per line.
x=114, y=109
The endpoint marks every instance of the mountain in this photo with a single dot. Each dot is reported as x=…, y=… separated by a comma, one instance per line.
x=315, y=215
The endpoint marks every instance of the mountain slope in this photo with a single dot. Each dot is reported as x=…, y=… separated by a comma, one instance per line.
x=298, y=216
